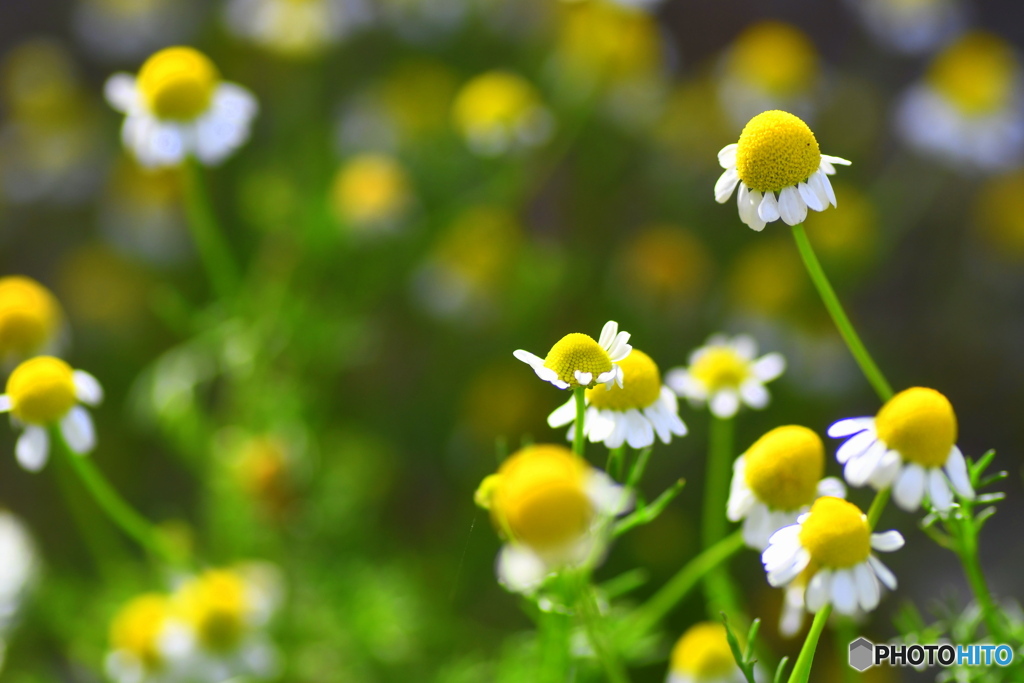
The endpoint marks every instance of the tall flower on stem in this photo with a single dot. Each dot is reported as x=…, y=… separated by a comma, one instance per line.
x=576, y=360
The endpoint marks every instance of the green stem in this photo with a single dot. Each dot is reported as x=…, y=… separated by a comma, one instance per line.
x=592, y=624
x=581, y=411
x=555, y=636
x=213, y=249
x=616, y=457
x=877, y=505
x=716, y=485
x=835, y=309
x=976, y=578
x=120, y=512
x=678, y=587
x=802, y=668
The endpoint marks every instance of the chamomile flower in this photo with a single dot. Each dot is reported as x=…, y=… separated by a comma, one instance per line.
x=500, y=111
x=776, y=481
x=835, y=541
x=632, y=413
x=724, y=372
x=30, y=319
x=777, y=154
x=43, y=392
x=550, y=505
x=576, y=360
x=702, y=655
x=147, y=645
x=371, y=193
x=294, y=28
x=179, y=107
x=968, y=108
x=909, y=445
x=911, y=26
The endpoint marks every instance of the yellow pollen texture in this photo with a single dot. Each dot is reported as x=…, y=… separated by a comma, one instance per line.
x=784, y=466
x=776, y=150
x=42, y=390
x=703, y=652
x=720, y=367
x=574, y=352
x=977, y=73
x=136, y=628
x=836, y=534
x=920, y=425
x=641, y=385
x=29, y=316
x=216, y=605
x=177, y=83
x=539, y=497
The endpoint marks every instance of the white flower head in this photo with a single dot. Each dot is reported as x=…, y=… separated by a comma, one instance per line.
x=576, y=360
x=633, y=413
x=178, y=107
x=909, y=445
x=833, y=544
x=779, y=170
x=43, y=392
x=725, y=373
x=776, y=481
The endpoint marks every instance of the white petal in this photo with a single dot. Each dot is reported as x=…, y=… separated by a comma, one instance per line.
x=519, y=569
x=619, y=348
x=811, y=198
x=791, y=206
x=855, y=446
x=748, y=200
x=835, y=160
x=886, y=471
x=5, y=403
x=883, y=573
x=33, y=448
x=727, y=156
x=608, y=332
x=850, y=426
x=789, y=534
x=844, y=592
x=817, y=185
x=956, y=468
x=887, y=541
x=826, y=184
x=867, y=587
x=792, y=618
x=563, y=414
x=769, y=366
x=726, y=185
x=858, y=470
x=786, y=573
x=120, y=92
x=938, y=490
x=754, y=394
x=87, y=388
x=606, y=378
x=768, y=209
x=608, y=497
x=78, y=430
x=528, y=358
x=909, y=487
x=639, y=432
x=744, y=345
x=832, y=486
x=818, y=590
x=584, y=378
x=725, y=403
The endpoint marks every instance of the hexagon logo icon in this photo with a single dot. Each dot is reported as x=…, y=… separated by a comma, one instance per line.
x=862, y=654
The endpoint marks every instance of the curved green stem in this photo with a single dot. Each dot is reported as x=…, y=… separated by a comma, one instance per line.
x=802, y=668
x=581, y=411
x=213, y=249
x=968, y=547
x=716, y=484
x=835, y=309
x=591, y=615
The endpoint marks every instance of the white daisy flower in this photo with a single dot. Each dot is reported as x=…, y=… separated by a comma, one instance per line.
x=909, y=445
x=499, y=111
x=178, y=107
x=834, y=538
x=551, y=507
x=968, y=110
x=911, y=26
x=146, y=642
x=777, y=154
x=723, y=373
x=576, y=360
x=776, y=481
x=43, y=392
x=702, y=655
x=632, y=413
x=295, y=28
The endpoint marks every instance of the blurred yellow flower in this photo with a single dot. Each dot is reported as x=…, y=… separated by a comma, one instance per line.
x=977, y=73
x=849, y=237
x=371, y=191
x=766, y=277
x=136, y=633
x=294, y=28
x=30, y=318
x=702, y=655
x=263, y=470
x=418, y=95
x=775, y=57
x=499, y=111
x=663, y=264
x=999, y=213
x=216, y=605
x=602, y=41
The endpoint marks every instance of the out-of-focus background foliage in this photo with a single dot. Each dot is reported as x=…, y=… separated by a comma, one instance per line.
x=336, y=418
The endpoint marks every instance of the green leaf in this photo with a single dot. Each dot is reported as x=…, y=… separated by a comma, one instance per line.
x=746, y=666
x=780, y=672
x=624, y=583
x=646, y=514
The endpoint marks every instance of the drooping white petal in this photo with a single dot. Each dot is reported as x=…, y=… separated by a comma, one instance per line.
x=87, y=388
x=909, y=487
x=32, y=448
x=855, y=446
x=725, y=403
x=844, y=592
x=78, y=430
x=792, y=618
x=810, y=197
x=726, y=185
x=747, y=201
x=744, y=345
x=786, y=573
x=788, y=534
x=520, y=570
x=826, y=184
x=887, y=541
x=5, y=403
x=769, y=366
x=608, y=497
x=886, y=471
x=883, y=573
x=956, y=468
x=640, y=433
x=754, y=394
x=867, y=587
x=727, y=156
x=121, y=93
x=607, y=378
x=816, y=184
x=938, y=490
x=583, y=378
x=768, y=209
x=791, y=207
x=819, y=589
x=832, y=486
x=850, y=426
x=563, y=414
x=859, y=470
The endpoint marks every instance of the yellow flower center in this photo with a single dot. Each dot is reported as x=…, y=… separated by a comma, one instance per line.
x=703, y=653
x=720, y=367
x=920, y=425
x=177, y=83
x=641, y=385
x=977, y=73
x=783, y=467
x=136, y=628
x=539, y=496
x=370, y=187
x=216, y=606
x=776, y=150
x=577, y=351
x=496, y=99
x=836, y=534
x=42, y=390
x=775, y=56
x=29, y=316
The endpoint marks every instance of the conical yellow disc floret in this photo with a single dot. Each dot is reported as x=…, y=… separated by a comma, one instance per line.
x=920, y=424
x=42, y=390
x=216, y=605
x=776, y=56
x=177, y=83
x=29, y=316
x=703, y=653
x=836, y=534
x=776, y=150
x=539, y=497
x=641, y=385
x=577, y=351
x=783, y=467
x=137, y=628
x=720, y=367
x=977, y=73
